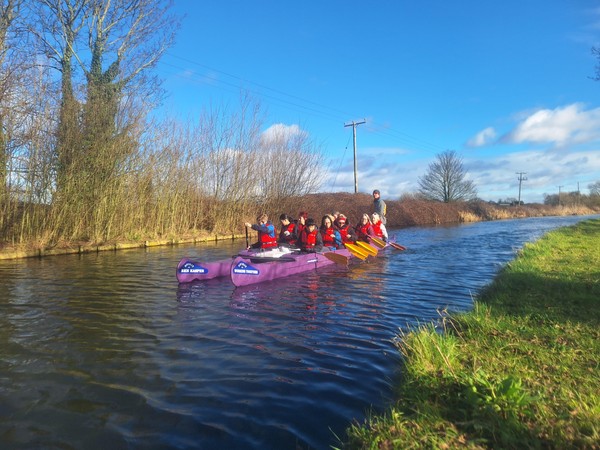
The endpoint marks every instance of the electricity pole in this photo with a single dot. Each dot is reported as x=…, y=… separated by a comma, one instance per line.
x=521, y=179
x=354, y=125
x=559, y=195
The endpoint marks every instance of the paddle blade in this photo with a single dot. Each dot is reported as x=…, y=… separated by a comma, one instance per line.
x=378, y=242
x=366, y=247
x=336, y=258
x=397, y=246
x=356, y=251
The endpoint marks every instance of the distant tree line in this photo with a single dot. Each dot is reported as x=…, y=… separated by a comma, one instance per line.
x=82, y=158
x=575, y=198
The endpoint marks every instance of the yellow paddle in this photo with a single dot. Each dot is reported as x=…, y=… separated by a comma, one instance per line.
x=378, y=242
x=368, y=248
x=356, y=251
x=336, y=258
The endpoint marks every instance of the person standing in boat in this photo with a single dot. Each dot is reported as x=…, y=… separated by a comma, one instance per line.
x=343, y=226
x=310, y=239
x=331, y=237
x=288, y=234
x=379, y=206
x=364, y=228
x=266, y=232
x=379, y=227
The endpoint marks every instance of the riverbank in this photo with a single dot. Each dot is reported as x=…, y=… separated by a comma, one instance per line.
x=406, y=212
x=518, y=371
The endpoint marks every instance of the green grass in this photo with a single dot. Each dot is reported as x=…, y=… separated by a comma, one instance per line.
x=521, y=370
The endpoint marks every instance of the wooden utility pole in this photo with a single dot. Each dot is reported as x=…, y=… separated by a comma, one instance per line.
x=354, y=125
x=559, y=194
x=521, y=179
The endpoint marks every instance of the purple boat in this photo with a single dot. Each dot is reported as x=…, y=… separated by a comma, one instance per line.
x=255, y=266
x=190, y=270
x=249, y=270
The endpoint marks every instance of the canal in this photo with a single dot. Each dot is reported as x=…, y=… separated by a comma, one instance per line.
x=106, y=350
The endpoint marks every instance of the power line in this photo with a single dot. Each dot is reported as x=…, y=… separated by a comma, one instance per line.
x=291, y=101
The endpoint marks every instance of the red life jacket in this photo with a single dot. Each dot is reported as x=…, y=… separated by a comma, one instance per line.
x=344, y=233
x=289, y=238
x=265, y=239
x=377, y=229
x=363, y=231
x=328, y=235
x=308, y=240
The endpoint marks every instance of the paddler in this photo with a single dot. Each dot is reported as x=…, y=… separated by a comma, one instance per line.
x=289, y=232
x=378, y=227
x=330, y=236
x=310, y=239
x=266, y=232
x=364, y=228
x=343, y=226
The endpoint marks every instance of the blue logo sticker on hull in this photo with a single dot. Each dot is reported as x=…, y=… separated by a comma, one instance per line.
x=243, y=268
x=190, y=267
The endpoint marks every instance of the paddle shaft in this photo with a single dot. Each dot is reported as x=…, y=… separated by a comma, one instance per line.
x=397, y=246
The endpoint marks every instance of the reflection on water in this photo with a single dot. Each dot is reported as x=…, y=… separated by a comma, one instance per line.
x=110, y=342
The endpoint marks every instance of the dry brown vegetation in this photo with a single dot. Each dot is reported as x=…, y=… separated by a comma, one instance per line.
x=206, y=218
x=408, y=212
x=83, y=163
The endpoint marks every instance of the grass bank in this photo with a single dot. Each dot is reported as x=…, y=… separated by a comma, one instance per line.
x=521, y=370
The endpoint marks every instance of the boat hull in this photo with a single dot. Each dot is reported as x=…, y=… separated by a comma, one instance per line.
x=189, y=270
x=245, y=270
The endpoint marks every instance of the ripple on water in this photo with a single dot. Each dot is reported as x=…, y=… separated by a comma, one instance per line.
x=111, y=343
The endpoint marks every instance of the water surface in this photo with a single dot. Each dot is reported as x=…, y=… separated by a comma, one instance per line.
x=107, y=350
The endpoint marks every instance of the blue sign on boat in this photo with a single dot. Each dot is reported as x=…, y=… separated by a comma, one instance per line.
x=190, y=267
x=243, y=268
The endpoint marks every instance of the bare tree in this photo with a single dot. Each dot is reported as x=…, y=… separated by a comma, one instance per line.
x=102, y=51
x=56, y=26
x=594, y=188
x=292, y=164
x=445, y=180
x=8, y=68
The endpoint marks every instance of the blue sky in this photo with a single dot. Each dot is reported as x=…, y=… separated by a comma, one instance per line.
x=507, y=85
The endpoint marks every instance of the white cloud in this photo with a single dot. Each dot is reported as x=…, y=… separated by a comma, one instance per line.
x=280, y=131
x=560, y=126
x=484, y=137
x=545, y=171
x=495, y=176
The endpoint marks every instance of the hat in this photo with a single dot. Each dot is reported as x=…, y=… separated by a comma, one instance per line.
x=376, y=191
x=310, y=222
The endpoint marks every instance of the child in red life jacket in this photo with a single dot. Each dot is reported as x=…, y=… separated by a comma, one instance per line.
x=379, y=227
x=343, y=226
x=266, y=232
x=364, y=229
x=310, y=239
x=331, y=237
x=288, y=236
x=301, y=222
